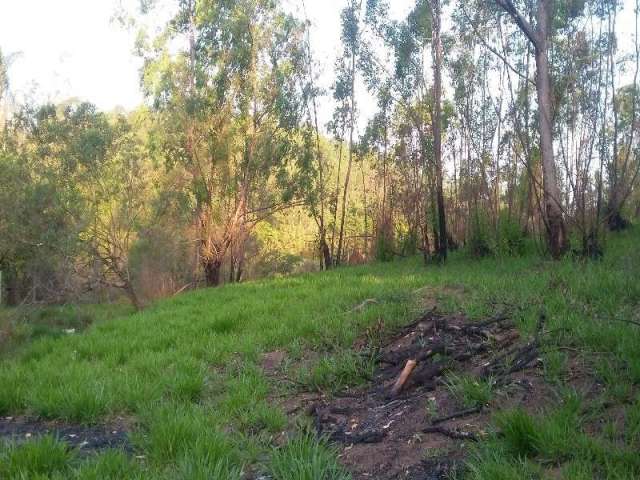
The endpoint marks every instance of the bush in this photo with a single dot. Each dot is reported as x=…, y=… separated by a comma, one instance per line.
x=510, y=238
x=479, y=235
x=384, y=241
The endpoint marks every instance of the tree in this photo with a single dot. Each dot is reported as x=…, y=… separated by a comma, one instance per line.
x=315, y=189
x=227, y=106
x=119, y=204
x=436, y=48
x=539, y=37
x=345, y=94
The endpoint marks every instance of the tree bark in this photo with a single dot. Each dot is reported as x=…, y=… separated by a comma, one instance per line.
x=555, y=226
x=352, y=126
x=212, y=269
x=437, y=129
x=556, y=230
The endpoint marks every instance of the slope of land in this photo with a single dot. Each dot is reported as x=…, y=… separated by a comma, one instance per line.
x=237, y=382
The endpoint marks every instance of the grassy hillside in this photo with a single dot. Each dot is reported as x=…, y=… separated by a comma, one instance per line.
x=185, y=375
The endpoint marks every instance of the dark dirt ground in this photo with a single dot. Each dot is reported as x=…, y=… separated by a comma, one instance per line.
x=85, y=438
x=408, y=436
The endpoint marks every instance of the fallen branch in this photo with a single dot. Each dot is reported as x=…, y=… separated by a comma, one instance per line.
x=363, y=305
x=474, y=327
x=455, y=434
x=460, y=414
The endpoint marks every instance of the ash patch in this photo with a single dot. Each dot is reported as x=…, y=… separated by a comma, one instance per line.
x=424, y=431
x=84, y=438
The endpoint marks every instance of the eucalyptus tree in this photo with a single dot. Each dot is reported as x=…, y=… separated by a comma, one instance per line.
x=315, y=171
x=539, y=36
x=436, y=120
x=622, y=165
x=229, y=105
x=422, y=103
x=344, y=91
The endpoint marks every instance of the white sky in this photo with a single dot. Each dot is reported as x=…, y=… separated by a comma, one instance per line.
x=66, y=48
x=71, y=48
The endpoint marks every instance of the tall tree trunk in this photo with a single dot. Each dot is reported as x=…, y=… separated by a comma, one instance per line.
x=326, y=260
x=556, y=230
x=336, y=261
x=437, y=128
x=352, y=126
x=325, y=251
x=366, y=217
x=133, y=296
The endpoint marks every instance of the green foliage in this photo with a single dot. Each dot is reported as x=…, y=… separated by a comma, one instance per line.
x=479, y=235
x=553, y=436
x=4, y=77
x=495, y=465
x=510, y=239
x=180, y=431
x=384, y=246
x=24, y=324
x=110, y=465
x=484, y=240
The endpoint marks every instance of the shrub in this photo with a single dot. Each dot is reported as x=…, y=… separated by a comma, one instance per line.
x=510, y=238
x=479, y=235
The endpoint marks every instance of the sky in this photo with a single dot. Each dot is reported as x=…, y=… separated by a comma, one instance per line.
x=72, y=48
x=65, y=48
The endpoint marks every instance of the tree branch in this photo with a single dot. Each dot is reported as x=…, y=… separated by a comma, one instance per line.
x=527, y=29
x=493, y=50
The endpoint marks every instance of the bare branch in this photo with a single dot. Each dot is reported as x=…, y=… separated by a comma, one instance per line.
x=523, y=24
x=496, y=52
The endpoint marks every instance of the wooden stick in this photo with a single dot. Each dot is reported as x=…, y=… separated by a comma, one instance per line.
x=402, y=379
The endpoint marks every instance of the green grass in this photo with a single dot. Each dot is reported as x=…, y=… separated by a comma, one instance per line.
x=39, y=458
x=336, y=371
x=186, y=370
x=470, y=391
x=305, y=458
x=23, y=324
